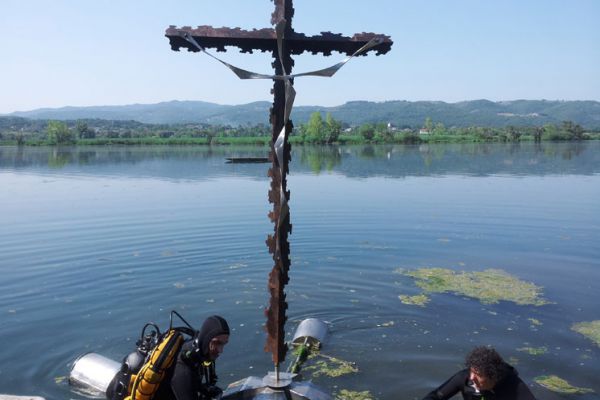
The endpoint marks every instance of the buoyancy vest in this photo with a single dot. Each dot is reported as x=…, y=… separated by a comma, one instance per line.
x=144, y=385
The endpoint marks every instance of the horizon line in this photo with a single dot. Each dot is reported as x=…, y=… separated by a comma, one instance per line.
x=4, y=114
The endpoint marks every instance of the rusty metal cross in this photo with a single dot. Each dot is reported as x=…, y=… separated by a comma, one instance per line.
x=282, y=43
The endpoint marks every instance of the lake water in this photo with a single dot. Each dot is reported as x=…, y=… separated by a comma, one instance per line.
x=97, y=241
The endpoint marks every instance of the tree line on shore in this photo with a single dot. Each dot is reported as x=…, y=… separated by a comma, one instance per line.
x=317, y=130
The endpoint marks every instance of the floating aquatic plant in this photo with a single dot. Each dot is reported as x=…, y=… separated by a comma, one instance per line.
x=488, y=286
x=329, y=366
x=559, y=385
x=534, y=351
x=416, y=300
x=534, y=322
x=590, y=330
x=353, y=395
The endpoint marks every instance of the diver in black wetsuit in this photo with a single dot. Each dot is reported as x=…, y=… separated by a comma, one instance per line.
x=487, y=377
x=193, y=376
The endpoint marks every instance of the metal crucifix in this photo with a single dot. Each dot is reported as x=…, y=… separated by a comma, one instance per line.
x=282, y=42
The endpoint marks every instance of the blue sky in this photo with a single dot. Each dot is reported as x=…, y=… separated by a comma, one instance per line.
x=83, y=52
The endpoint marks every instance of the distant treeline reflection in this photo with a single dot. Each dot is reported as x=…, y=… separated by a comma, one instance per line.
x=350, y=160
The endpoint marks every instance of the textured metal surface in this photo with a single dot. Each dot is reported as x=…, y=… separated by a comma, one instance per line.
x=254, y=388
x=282, y=42
x=265, y=40
x=279, y=196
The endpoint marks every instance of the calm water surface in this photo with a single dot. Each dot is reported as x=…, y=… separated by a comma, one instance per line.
x=98, y=241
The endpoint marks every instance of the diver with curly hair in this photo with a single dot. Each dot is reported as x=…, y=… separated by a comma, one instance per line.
x=487, y=377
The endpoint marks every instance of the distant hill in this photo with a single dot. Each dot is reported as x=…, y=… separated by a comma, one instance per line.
x=400, y=113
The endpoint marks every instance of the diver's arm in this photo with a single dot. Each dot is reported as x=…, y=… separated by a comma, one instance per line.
x=450, y=387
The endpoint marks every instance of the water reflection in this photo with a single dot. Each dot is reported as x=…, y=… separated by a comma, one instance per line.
x=59, y=157
x=319, y=158
x=20, y=156
x=99, y=254
x=395, y=161
x=477, y=159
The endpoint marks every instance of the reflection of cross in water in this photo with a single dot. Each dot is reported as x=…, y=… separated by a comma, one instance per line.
x=289, y=43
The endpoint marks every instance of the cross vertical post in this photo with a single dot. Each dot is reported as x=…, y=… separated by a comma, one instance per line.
x=282, y=49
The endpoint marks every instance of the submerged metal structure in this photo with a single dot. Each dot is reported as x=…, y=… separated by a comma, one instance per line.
x=282, y=42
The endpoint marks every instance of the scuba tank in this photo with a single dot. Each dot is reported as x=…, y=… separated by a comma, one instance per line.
x=143, y=370
x=97, y=375
x=133, y=362
x=93, y=375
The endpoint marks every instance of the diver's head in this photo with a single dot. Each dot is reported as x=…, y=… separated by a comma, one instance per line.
x=212, y=337
x=486, y=367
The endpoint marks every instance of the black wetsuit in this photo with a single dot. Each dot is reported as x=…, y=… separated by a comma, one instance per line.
x=189, y=378
x=509, y=388
x=193, y=375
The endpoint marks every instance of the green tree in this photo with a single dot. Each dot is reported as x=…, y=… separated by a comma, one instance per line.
x=439, y=129
x=367, y=131
x=428, y=124
x=314, y=129
x=538, y=132
x=210, y=137
x=512, y=133
x=83, y=131
x=551, y=132
x=333, y=129
x=382, y=133
x=59, y=133
x=574, y=131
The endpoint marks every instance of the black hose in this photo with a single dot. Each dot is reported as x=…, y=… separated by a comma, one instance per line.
x=152, y=324
x=191, y=331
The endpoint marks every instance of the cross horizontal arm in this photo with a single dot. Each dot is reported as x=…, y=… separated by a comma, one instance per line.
x=266, y=40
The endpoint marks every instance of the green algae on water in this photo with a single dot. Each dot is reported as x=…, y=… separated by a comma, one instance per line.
x=488, y=286
x=534, y=351
x=416, y=300
x=559, y=385
x=353, y=395
x=590, y=330
x=329, y=366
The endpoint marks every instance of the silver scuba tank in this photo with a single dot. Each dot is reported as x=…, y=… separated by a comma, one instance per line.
x=92, y=374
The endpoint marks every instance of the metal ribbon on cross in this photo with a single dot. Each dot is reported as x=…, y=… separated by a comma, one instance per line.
x=290, y=93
